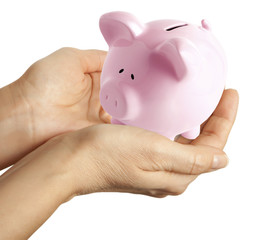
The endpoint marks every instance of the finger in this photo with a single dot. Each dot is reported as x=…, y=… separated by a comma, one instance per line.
x=136, y=191
x=217, y=129
x=104, y=116
x=165, y=183
x=92, y=60
x=201, y=159
x=95, y=110
x=94, y=101
x=186, y=159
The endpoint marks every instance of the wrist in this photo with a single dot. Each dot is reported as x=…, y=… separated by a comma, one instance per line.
x=84, y=166
x=16, y=128
x=33, y=189
x=13, y=107
x=61, y=155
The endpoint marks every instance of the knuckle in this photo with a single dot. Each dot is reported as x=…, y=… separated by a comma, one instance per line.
x=36, y=66
x=67, y=49
x=153, y=192
x=161, y=196
x=156, y=194
x=182, y=190
x=67, y=52
x=160, y=159
x=178, y=191
x=199, y=164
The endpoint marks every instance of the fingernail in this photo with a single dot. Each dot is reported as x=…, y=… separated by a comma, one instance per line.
x=220, y=161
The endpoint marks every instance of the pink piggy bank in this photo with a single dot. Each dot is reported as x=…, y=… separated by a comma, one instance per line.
x=166, y=76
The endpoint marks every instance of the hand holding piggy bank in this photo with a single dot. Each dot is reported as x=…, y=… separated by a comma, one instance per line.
x=166, y=76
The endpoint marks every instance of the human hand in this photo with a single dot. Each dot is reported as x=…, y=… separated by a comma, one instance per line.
x=57, y=94
x=134, y=160
x=109, y=158
x=129, y=159
x=63, y=90
x=99, y=158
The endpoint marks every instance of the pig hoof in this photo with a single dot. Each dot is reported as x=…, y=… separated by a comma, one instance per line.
x=192, y=134
x=115, y=121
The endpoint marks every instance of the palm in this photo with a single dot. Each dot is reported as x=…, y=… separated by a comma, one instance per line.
x=65, y=85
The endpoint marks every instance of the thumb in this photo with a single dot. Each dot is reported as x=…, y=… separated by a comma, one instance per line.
x=92, y=60
x=194, y=160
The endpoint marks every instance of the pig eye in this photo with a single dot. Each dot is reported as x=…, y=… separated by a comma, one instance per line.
x=122, y=70
x=132, y=76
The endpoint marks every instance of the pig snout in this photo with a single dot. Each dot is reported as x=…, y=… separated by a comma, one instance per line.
x=119, y=100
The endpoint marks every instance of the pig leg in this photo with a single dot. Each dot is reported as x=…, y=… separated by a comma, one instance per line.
x=192, y=134
x=115, y=121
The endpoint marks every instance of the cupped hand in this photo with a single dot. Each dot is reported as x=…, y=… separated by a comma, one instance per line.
x=107, y=157
x=129, y=159
x=62, y=92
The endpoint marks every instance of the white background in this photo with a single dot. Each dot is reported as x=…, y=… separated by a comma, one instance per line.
x=227, y=204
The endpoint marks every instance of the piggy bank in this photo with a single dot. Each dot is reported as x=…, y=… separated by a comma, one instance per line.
x=166, y=76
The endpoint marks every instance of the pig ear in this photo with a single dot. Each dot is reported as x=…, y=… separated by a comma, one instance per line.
x=182, y=55
x=119, y=25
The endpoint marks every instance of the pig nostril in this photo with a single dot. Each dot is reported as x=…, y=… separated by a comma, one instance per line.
x=116, y=103
x=106, y=97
